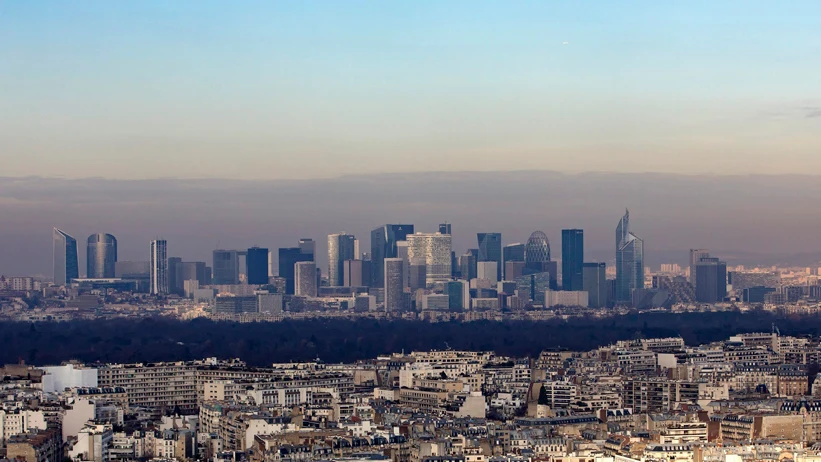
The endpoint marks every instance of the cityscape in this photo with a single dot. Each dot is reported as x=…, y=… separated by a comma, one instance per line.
x=398, y=272
x=419, y=231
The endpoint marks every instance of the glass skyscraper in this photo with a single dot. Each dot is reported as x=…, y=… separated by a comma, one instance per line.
x=290, y=256
x=537, y=251
x=430, y=251
x=65, y=262
x=158, y=267
x=572, y=259
x=341, y=247
x=490, y=249
x=629, y=261
x=256, y=265
x=383, y=245
x=101, y=255
x=225, y=267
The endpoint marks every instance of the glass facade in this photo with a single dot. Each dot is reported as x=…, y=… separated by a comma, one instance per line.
x=572, y=259
x=537, y=251
x=383, y=245
x=256, y=265
x=341, y=247
x=66, y=266
x=431, y=251
x=490, y=249
x=101, y=256
x=629, y=261
x=158, y=267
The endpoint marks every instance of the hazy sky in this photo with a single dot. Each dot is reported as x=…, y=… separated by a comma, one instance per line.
x=300, y=89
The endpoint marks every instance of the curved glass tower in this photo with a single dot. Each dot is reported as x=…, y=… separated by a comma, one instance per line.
x=101, y=255
x=340, y=248
x=629, y=261
x=537, y=251
x=66, y=267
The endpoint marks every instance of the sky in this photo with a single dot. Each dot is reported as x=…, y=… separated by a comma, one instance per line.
x=302, y=89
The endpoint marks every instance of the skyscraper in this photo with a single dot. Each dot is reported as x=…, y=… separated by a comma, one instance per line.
x=288, y=257
x=256, y=265
x=572, y=259
x=468, y=265
x=225, y=267
x=629, y=261
x=537, y=252
x=490, y=249
x=308, y=247
x=340, y=248
x=65, y=262
x=305, y=274
x=356, y=273
x=394, y=278
x=512, y=253
x=101, y=255
x=174, y=269
x=158, y=267
x=383, y=245
x=445, y=228
x=711, y=280
x=695, y=256
x=595, y=284
x=431, y=251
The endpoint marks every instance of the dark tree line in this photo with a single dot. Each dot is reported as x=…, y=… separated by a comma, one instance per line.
x=259, y=344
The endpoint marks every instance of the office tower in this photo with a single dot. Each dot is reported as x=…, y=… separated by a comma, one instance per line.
x=175, y=286
x=394, y=278
x=532, y=287
x=458, y=295
x=511, y=253
x=629, y=261
x=572, y=259
x=487, y=270
x=537, y=252
x=225, y=267
x=383, y=245
x=340, y=248
x=444, y=228
x=305, y=279
x=101, y=255
x=191, y=271
x=256, y=265
x=356, y=273
x=467, y=264
x=308, y=247
x=65, y=262
x=269, y=303
x=288, y=257
x=490, y=249
x=695, y=256
x=431, y=251
x=158, y=267
x=595, y=284
x=514, y=269
x=711, y=280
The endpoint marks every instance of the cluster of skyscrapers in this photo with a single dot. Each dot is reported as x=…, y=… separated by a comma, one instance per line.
x=401, y=261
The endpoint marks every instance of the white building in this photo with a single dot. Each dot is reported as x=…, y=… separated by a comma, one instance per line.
x=58, y=378
x=431, y=250
x=565, y=298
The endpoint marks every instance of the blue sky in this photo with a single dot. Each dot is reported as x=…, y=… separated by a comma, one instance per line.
x=301, y=89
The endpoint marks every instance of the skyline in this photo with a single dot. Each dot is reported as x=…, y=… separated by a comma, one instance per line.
x=307, y=90
x=232, y=214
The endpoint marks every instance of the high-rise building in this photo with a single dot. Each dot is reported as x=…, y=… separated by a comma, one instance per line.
x=431, y=251
x=629, y=261
x=305, y=278
x=532, y=287
x=512, y=253
x=695, y=256
x=467, y=263
x=191, y=271
x=514, y=270
x=487, y=270
x=537, y=252
x=357, y=273
x=445, y=228
x=572, y=259
x=256, y=265
x=158, y=267
x=458, y=295
x=383, y=245
x=595, y=284
x=175, y=285
x=225, y=267
x=288, y=257
x=490, y=249
x=341, y=247
x=101, y=255
x=711, y=280
x=394, y=278
x=66, y=266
